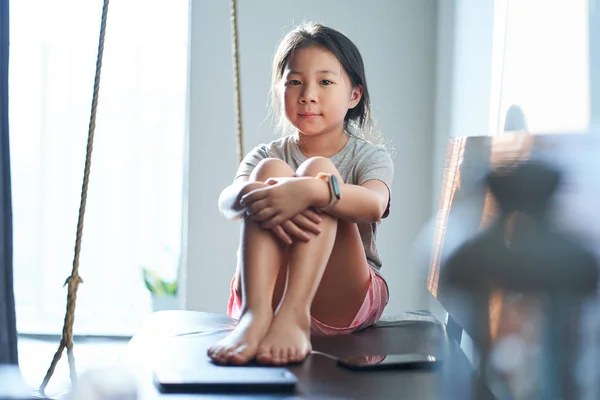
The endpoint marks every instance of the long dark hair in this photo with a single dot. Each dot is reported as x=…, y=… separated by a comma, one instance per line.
x=358, y=120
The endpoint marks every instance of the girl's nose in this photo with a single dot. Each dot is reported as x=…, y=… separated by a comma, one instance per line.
x=308, y=95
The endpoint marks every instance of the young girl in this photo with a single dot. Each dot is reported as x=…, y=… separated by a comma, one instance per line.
x=310, y=204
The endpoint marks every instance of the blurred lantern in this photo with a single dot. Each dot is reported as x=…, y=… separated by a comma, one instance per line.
x=541, y=275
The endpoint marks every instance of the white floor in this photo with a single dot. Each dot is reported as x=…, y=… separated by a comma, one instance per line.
x=35, y=357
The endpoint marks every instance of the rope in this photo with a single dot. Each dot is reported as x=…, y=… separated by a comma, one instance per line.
x=236, y=76
x=74, y=280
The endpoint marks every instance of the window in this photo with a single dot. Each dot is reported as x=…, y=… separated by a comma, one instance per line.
x=134, y=204
x=542, y=64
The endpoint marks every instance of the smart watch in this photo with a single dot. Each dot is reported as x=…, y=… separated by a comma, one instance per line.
x=334, y=188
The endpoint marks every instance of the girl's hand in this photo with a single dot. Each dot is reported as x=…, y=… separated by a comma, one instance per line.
x=281, y=201
x=249, y=188
x=299, y=226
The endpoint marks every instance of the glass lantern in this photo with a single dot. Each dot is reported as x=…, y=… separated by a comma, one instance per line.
x=526, y=282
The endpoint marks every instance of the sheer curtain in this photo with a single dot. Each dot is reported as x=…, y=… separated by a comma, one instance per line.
x=134, y=210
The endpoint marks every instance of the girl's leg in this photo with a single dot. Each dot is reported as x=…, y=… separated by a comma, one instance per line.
x=262, y=258
x=328, y=278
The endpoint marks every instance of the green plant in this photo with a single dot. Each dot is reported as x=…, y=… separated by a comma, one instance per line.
x=158, y=286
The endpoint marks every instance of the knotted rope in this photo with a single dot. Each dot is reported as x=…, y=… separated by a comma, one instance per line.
x=74, y=280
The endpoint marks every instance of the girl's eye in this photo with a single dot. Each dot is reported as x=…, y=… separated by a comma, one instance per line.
x=326, y=82
x=293, y=82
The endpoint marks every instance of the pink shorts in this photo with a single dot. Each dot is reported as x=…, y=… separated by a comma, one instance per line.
x=368, y=314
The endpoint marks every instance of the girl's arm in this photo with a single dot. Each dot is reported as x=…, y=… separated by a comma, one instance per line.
x=299, y=226
x=229, y=200
x=361, y=204
x=287, y=197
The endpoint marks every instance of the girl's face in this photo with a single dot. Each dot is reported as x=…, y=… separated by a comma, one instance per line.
x=317, y=92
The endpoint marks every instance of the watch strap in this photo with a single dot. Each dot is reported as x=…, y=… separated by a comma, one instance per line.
x=334, y=196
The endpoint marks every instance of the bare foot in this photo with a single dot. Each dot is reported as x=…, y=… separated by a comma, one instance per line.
x=288, y=339
x=241, y=345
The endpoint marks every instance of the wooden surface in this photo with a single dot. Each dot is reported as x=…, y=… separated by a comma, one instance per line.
x=182, y=337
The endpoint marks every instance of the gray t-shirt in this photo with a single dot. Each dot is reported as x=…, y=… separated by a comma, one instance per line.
x=358, y=162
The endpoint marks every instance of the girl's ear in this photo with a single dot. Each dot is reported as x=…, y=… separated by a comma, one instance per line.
x=355, y=96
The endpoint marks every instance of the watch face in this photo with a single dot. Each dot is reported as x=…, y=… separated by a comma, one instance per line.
x=336, y=187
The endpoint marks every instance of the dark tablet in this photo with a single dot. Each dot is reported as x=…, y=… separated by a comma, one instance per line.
x=219, y=379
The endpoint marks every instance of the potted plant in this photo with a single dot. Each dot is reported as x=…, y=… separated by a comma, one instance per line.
x=164, y=293
x=163, y=289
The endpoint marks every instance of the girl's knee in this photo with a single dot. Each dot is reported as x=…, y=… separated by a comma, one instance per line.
x=271, y=168
x=316, y=165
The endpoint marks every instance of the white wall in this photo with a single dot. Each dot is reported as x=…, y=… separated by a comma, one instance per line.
x=464, y=80
x=398, y=42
